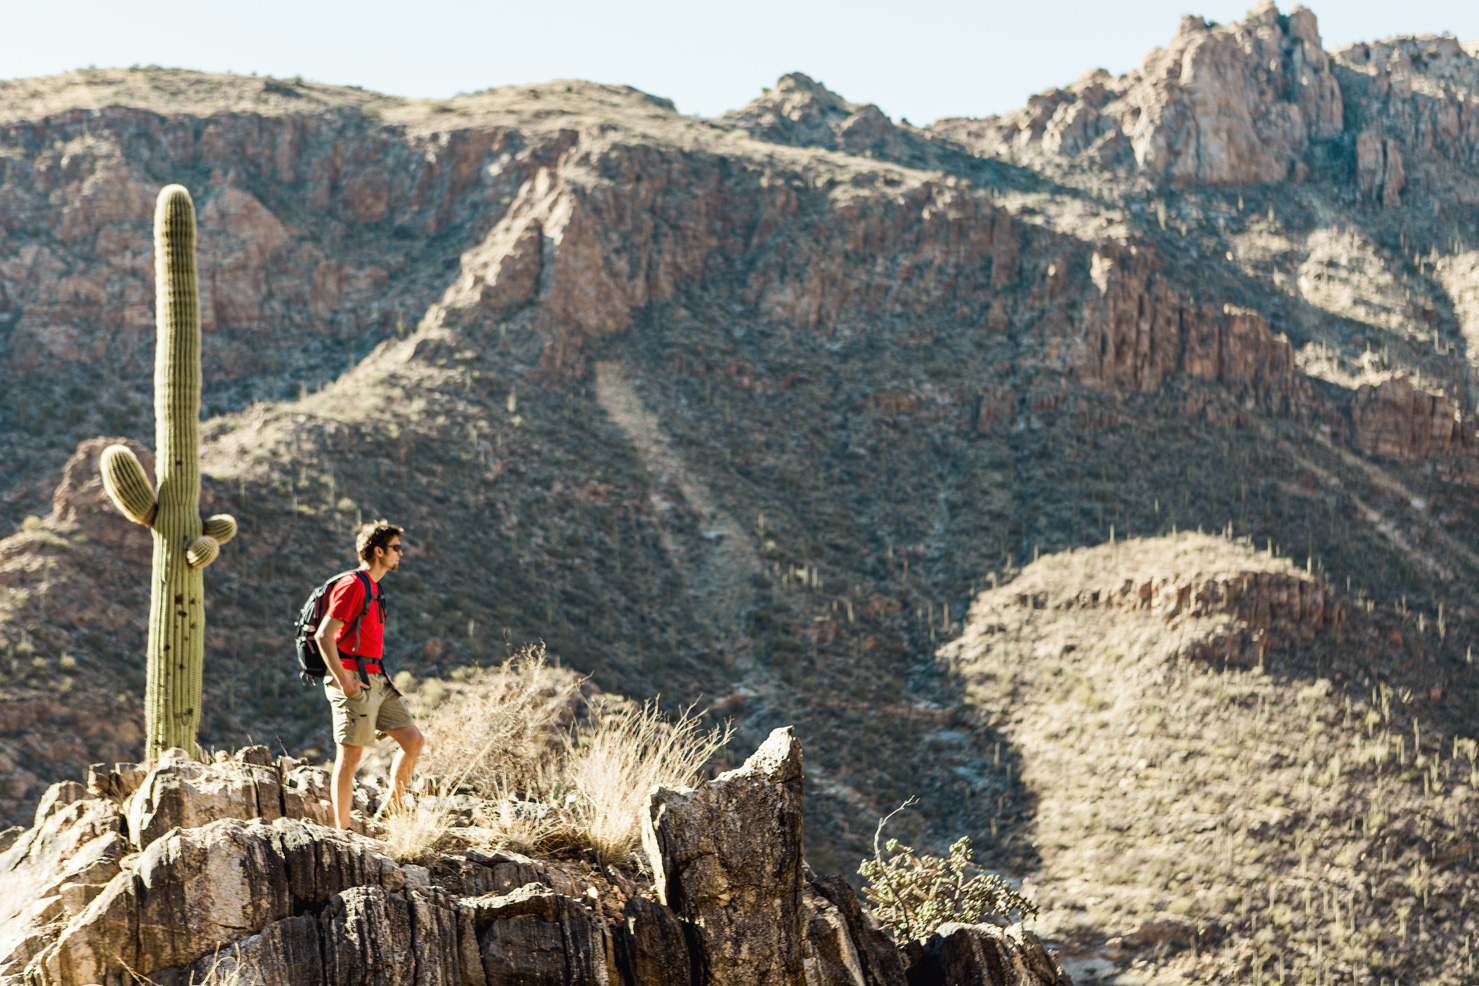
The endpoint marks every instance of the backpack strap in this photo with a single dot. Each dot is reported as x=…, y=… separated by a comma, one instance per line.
x=364, y=581
x=360, y=661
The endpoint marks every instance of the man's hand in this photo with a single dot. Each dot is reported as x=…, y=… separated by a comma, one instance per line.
x=346, y=681
x=349, y=685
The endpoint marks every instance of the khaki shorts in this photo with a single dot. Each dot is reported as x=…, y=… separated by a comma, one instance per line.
x=369, y=715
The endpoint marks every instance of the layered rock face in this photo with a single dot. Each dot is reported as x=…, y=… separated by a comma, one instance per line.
x=1138, y=333
x=1396, y=419
x=1379, y=172
x=226, y=870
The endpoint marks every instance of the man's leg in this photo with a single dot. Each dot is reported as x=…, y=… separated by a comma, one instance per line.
x=411, y=742
x=345, y=765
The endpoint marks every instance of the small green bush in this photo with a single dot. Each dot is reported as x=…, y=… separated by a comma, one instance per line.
x=913, y=894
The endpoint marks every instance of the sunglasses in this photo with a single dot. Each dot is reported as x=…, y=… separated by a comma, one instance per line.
x=396, y=548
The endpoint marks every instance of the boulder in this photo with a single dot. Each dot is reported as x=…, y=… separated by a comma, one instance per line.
x=77, y=845
x=726, y=858
x=985, y=955
x=196, y=890
x=181, y=793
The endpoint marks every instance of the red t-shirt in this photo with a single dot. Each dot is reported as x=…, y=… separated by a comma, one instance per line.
x=367, y=640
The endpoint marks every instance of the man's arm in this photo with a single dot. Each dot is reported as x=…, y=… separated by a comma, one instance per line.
x=347, y=681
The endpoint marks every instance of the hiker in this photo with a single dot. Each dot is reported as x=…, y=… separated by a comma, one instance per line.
x=366, y=705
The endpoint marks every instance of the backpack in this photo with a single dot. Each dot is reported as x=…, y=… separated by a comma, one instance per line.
x=310, y=661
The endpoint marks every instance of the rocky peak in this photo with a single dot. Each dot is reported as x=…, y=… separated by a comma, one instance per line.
x=802, y=112
x=1222, y=104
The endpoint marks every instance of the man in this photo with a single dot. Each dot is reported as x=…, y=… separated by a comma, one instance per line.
x=351, y=639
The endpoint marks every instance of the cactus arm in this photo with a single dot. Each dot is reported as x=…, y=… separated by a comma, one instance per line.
x=127, y=486
x=202, y=551
x=222, y=527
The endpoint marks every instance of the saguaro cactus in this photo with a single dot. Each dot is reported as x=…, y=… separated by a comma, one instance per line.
x=183, y=543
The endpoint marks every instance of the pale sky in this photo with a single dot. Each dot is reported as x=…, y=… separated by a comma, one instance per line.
x=916, y=60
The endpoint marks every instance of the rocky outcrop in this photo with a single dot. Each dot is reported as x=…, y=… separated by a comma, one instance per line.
x=727, y=859
x=586, y=245
x=802, y=112
x=1416, y=94
x=53, y=870
x=221, y=879
x=194, y=891
x=1261, y=599
x=1222, y=104
x=1396, y=419
x=1246, y=102
x=1138, y=332
x=181, y=793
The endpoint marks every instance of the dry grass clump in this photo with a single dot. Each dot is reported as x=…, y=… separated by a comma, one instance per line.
x=555, y=771
x=499, y=728
x=614, y=761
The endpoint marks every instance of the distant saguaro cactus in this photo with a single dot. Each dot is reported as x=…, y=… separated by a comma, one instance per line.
x=183, y=543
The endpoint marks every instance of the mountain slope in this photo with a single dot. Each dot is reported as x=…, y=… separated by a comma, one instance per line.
x=749, y=411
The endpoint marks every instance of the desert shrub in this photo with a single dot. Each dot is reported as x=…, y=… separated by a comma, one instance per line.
x=556, y=771
x=913, y=893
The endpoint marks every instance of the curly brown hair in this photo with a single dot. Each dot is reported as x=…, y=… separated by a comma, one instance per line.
x=375, y=534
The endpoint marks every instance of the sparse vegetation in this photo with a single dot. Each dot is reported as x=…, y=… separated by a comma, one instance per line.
x=555, y=770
